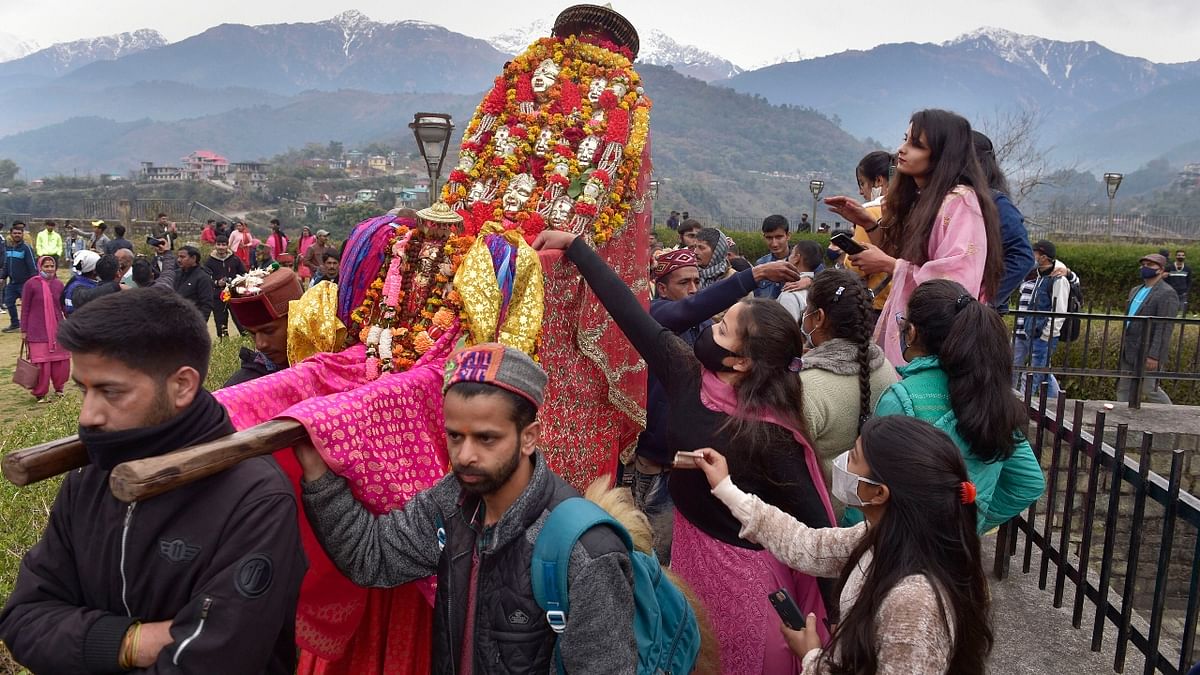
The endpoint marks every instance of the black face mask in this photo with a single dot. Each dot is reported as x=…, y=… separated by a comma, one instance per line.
x=710, y=354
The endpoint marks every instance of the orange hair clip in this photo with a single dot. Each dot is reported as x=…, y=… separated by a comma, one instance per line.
x=966, y=491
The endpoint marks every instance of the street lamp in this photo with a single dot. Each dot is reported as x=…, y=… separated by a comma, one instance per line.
x=432, y=131
x=815, y=187
x=652, y=194
x=1112, y=181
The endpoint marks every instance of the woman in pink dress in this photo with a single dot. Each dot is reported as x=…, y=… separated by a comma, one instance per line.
x=934, y=225
x=41, y=310
x=307, y=238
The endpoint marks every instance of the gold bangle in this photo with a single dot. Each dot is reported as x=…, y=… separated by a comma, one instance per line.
x=137, y=641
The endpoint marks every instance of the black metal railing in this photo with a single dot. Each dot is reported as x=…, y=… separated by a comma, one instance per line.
x=1096, y=504
x=1101, y=352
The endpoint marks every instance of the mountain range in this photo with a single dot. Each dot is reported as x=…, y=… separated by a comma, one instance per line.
x=253, y=91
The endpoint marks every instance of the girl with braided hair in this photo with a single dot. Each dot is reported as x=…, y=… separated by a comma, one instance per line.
x=844, y=370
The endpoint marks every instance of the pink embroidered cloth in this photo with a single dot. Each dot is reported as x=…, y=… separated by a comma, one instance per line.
x=385, y=437
x=957, y=250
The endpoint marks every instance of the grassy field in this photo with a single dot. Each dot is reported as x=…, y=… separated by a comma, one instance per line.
x=24, y=422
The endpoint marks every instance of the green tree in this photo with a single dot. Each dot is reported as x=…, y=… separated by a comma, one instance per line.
x=346, y=216
x=8, y=171
x=386, y=199
x=286, y=187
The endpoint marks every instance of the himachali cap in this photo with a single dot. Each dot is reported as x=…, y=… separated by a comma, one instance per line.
x=500, y=366
x=579, y=18
x=669, y=261
x=271, y=302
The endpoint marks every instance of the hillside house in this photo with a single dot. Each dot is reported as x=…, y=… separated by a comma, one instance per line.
x=248, y=176
x=378, y=163
x=205, y=165
x=160, y=174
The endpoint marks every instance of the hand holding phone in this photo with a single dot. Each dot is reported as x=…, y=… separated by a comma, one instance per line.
x=847, y=244
x=786, y=607
x=687, y=459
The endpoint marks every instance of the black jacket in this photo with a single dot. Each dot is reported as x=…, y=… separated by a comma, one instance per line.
x=254, y=365
x=1162, y=301
x=224, y=270
x=221, y=558
x=196, y=285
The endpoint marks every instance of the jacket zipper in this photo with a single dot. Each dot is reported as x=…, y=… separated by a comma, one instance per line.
x=124, y=541
x=203, y=616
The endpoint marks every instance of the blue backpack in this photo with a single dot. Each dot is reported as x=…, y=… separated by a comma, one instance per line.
x=668, y=634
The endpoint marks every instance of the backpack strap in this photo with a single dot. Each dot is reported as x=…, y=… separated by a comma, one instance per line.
x=564, y=526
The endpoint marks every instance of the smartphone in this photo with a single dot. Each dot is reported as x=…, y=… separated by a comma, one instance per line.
x=848, y=245
x=687, y=460
x=786, y=607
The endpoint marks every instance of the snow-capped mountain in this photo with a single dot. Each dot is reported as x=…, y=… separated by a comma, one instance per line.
x=790, y=57
x=657, y=48
x=65, y=57
x=13, y=47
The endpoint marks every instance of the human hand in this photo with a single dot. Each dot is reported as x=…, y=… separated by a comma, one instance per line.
x=851, y=210
x=1151, y=364
x=713, y=463
x=549, y=240
x=800, y=285
x=801, y=642
x=164, y=247
x=776, y=271
x=152, y=638
x=1060, y=271
x=310, y=460
x=873, y=261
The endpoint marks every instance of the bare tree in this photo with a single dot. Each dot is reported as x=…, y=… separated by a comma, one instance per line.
x=1016, y=140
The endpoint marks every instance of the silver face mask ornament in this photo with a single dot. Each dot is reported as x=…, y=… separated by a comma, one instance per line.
x=845, y=483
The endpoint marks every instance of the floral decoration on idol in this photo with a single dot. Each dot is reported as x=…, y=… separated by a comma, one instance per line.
x=412, y=302
x=247, y=284
x=556, y=143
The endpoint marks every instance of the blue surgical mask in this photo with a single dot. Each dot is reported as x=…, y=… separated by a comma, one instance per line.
x=47, y=275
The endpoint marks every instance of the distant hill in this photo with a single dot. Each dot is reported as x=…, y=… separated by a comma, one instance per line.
x=1162, y=122
x=873, y=92
x=714, y=149
x=347, y=52
x=55, y=60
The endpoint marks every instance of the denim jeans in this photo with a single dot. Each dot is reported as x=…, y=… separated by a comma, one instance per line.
x=651, y=495
x=1042, y=351
x=1022, y=350
x=11, y=293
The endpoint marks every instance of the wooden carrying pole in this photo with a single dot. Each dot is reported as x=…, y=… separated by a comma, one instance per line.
x=28, y=466
x=144, y=478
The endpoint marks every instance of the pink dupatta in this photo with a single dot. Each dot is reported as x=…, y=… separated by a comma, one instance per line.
x=51, y=310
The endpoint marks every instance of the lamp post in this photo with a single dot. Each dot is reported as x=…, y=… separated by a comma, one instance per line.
x=815, y=187
x=652, y=194
x=432, y=131
x=1112, y=181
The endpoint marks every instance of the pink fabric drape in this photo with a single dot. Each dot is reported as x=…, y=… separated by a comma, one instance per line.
x=386, y=438
x=957, y=250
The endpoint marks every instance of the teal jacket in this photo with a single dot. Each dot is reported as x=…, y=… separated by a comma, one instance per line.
x=1003, y=489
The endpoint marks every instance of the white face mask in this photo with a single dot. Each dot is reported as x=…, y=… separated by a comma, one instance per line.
x=808, y=335
x=876, y=192
x=845, y=483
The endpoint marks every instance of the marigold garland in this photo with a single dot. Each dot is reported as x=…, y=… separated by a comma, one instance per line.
x=618, y=118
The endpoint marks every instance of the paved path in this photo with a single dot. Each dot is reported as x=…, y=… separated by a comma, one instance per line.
x=1034, y=638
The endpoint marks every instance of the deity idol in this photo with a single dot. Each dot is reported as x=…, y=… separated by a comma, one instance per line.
x=564, y=135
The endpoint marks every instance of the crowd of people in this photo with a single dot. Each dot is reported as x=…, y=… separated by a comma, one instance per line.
x=834, y=426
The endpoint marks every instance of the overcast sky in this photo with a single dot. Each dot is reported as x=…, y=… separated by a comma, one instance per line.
x=747, y=32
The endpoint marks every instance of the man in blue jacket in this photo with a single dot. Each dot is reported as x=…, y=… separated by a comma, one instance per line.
x=681, y=307
x=20, y=265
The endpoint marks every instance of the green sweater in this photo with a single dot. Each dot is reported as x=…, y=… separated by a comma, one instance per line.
x=1003, y=488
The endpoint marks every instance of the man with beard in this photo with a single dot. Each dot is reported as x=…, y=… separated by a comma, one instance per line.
x=259, y=304
x=202, y=579
x=475, y=529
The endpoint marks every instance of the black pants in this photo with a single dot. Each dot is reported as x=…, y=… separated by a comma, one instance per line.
x=221, y=316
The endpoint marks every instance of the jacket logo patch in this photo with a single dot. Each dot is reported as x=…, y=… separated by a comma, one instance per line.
x=177, y=550
x=518, y=618
x=253, y=576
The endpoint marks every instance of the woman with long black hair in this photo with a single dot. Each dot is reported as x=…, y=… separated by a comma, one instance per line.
x=959, y=378
x=913, y=596
x=938, y=221
x=737, y=389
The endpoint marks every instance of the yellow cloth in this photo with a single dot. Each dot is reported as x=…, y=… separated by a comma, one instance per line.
x=476, y=282
x=313, y=326
x=872, y=281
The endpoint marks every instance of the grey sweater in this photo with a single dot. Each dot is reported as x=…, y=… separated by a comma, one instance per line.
x=403, y=545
